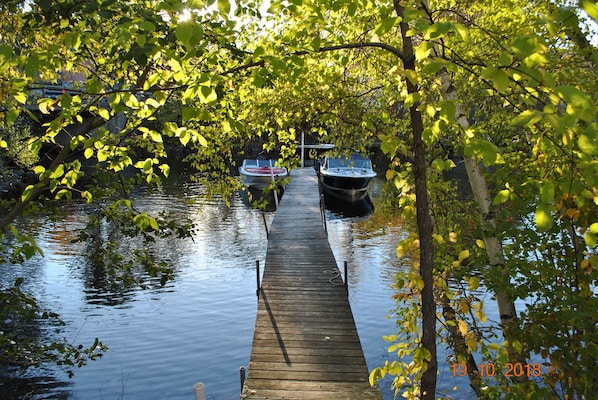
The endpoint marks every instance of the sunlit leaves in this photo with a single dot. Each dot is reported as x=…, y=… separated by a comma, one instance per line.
x=544, y=218
x=6, y=54
x=502, y=196
x=144, y=222
x=482, y=150
x=588, y=141
x=547, y=192
x=578, y=104
x=189, y=33
x=224, y=7
x=498, y=77
x=386, y=24
x=590, y=7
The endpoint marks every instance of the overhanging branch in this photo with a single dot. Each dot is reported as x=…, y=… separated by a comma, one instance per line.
x=325, y=49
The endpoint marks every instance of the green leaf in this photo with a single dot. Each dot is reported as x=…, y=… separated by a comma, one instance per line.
x=586, y=144
x=591, y=8
x=505, y=59
x=499, y=78
x=104, y=113
x=483, y=150
x=189, y=34
x=376, y=375
x=412, y=76
x=463, y=255
x=58, y=172
x=224, y=7
x=315, y=43
x=385, y=25
x=153, y=224
x=544, y=218
x=156, y=137
x=527, y=117
x=39, y=170
x=438, y=30
x=578, y=103
x=526, y=45
x=26, y=193
x=165, y=168
x=183, y=136
x=130, y=100
x=202, y=140
x=547, y=192
x=207, y=94
x=423, y=50
x=20, y=97
x=5, y=56
x=190, y=113
x=433, y=68
x=259, y=50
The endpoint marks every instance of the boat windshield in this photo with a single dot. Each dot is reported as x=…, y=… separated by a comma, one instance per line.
x=260, y=163
x=354, y=161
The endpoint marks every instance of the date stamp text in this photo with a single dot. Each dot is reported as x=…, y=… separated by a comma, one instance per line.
x=509, y=370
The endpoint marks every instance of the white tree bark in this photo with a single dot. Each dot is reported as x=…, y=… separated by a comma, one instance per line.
x=479, y=186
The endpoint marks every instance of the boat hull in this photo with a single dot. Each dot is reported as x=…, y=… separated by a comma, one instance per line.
x=259, y=174
x=347, y=188
x=260, y=182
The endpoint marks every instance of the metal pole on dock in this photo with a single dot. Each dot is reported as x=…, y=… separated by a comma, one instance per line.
x=242, y=372
x=266, y=225
x=346, y=278
x=302, y=149
x=323, y=212
x=257, y=270
x=273, y=181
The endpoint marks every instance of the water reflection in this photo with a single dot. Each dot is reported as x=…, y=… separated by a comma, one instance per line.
x=357, y=208
x=199, y=327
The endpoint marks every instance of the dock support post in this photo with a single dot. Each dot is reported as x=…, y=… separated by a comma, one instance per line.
x=242, y=372
x=302, y=148
x=257, y=270
x=200, y=391
x=323, y=212
x=266, y=225
x=346, y=278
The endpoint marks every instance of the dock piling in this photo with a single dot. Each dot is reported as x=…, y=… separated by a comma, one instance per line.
x=323, y=212
x=346, y=277
x=257, y=275
x=199, y=390
x=266, y=225
x=242, y=372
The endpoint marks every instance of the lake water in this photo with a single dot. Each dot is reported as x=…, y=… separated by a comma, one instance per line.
x=199, y=327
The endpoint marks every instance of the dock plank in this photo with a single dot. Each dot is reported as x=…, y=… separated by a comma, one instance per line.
x=305, y=343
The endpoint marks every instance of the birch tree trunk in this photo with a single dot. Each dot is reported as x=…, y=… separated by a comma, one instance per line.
x=479, y=186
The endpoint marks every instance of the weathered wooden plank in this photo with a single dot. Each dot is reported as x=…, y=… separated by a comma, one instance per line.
x=305, y=343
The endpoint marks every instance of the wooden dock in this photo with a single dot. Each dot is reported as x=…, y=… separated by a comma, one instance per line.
x=305, y=343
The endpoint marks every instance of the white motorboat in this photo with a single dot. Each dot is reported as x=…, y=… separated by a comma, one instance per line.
x=260, y=173
x=346, y=178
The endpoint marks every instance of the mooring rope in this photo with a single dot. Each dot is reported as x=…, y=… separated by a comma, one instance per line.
x=337, y=275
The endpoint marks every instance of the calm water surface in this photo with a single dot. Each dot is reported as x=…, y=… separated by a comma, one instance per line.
x=198, y=328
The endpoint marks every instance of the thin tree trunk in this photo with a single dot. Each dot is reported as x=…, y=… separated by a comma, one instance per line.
x=424, y=222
